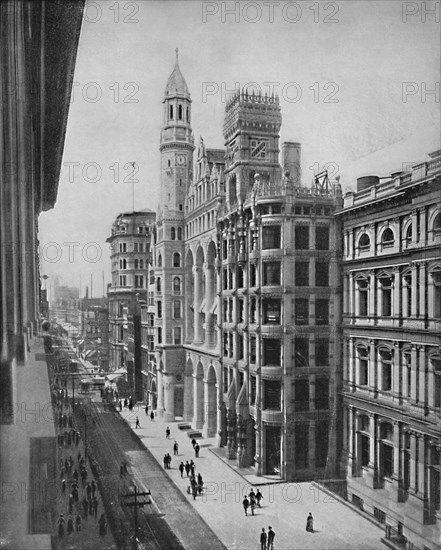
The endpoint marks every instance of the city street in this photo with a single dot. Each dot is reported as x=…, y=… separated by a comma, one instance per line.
x=285, y=506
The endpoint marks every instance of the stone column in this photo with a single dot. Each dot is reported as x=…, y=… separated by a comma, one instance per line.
x=351, y=245
x=351, y=446
x=422, y=377
x=396, y=373
x=423, y=232
x=413, y=463
x=373, y=378
x=188, y=397
x=422, y=471
x=430, y=386
x=345, y=294
x=351, y=369
x=414, y=290
x=197, y=272
x=198, y=408
x=373, y=458
x=414, y=226
x=351, y=308
x=372, y=309
x=312, y=443
x=422, y=290
x=169, y=397
x=396, y=303
x=160, y=402
x=414, y=372
x=346, y=244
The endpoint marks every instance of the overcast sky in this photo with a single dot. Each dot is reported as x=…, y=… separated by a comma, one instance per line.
x=354, y=80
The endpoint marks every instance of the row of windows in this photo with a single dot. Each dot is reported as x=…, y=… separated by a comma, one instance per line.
x=171, y=113
x=137, y=247
x=388, y=238
x=138, y=281
x=137, y=263
x=177, y=336
x=177, y=309
x=200, y=224
x=176, y=261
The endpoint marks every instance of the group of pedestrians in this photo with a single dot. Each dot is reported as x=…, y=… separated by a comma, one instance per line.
x=267, y=539
x=251, y=501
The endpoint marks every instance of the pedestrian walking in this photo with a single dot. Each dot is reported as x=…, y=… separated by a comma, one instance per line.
x=193, y=442
x=61, y=521
x=138, y=425
x=245, y=504
x=146, y=410
x=167, y=433
x=70, y=504
x=259, y=497
x=271, y=536
x=181, y=469
x=102, y=525
x=63, y=486
x=196, y=450
x=152, y=416
x=169, y=459
x=263, y=538
x=192, y=467
x=175, y=448
x=194, y=490
x=70, y=525
x=85, y=505
x=95, y=507
x=165, y=460
x=187, y=468
x=310, y=523
x=252, y=498
x=78, y=523
x=89, y=491
x=93, y=485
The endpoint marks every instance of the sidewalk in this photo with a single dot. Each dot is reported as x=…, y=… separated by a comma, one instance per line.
x=285, y=505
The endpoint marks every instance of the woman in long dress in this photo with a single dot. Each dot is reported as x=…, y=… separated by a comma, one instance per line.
x=310, y=523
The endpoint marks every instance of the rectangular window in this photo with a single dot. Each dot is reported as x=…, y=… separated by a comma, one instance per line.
x=271, y=236
x=272, y=351
x=322, y=312
x=322, y=274
x=253, y=271
x=302, y=274
x=151, y=342
x=386, y=370
x=252, y=390
x=322, y=237
x=272, y=395
x=139, y=281
x=321, y=447
x=159, y=309
x=301, y=394
x=176, y=309
x=322, y=393
x=386, y=296
x=301, y=445
x=271, y=273
x=225, y=378
x=302, y=237
x=253, y=355
x=363, y=366
x=240, y=311
x=271, y=310
x=301, y=352
x=239, y=341
x=177, y=335
x=302, y=311
x=159, y=335
x=363, y=288
x=322, y=352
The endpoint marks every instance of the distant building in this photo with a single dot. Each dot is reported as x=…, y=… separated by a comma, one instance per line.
x=247, y=290
x=392, y=354
x=130, y=246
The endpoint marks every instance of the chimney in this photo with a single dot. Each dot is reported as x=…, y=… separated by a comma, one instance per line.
x=367, y=181
x=291, y=152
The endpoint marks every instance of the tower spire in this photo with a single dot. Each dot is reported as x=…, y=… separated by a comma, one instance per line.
x=177, y=55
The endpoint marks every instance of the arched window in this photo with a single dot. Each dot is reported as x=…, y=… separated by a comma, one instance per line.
x=188, y=114
x=158, y=284
x=171, y=112
x=363, y=366
x=173, y=233
x=408, y=236
x=364, y=242
x=176, y=285
x=387, y=238
x=159, y=260
x=180, y=112
x=437, y=224
x=176, y=260
x=179, y=234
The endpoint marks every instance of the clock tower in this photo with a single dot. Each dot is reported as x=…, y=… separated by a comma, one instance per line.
x=177, y=144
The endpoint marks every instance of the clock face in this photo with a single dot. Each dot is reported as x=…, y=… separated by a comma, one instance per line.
x=180, y=160
x=258, y=148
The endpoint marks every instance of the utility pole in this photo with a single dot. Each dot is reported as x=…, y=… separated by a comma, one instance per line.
x=135, y=505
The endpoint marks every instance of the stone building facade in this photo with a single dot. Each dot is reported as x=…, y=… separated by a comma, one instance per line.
x=247, y=290
x=130, y=256
x=392, y=357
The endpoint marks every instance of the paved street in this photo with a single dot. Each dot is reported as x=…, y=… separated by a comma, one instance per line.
x=285, y=505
